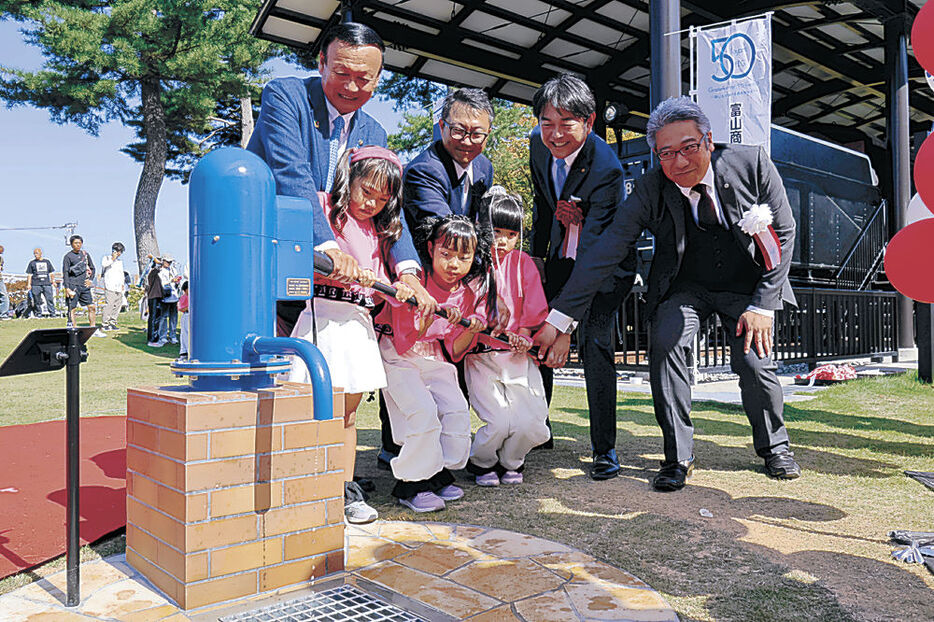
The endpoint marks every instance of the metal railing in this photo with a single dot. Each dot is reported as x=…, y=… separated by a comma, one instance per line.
x=862, y=262
x=827, y=325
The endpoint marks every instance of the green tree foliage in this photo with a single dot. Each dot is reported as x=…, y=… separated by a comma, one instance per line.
x=173, y=70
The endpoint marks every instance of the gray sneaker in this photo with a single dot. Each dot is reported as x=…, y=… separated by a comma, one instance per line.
x=356, y=510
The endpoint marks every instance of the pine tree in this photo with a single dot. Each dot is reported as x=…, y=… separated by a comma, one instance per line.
x=173, y=70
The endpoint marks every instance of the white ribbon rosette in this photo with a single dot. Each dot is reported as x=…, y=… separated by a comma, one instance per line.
x=757, y=223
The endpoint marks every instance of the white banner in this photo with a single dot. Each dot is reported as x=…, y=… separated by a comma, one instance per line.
x=734, y=80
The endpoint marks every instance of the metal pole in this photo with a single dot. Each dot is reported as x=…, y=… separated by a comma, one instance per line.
x=925, y=342
x=664, y=17
x=599, y=125
x=72, y=468
x=897, y=124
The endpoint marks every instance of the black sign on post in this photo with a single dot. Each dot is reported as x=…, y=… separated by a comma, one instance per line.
x=43, y=350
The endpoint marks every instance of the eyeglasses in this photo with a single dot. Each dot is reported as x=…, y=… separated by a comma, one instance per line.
x=686, y=151
x=459, y=133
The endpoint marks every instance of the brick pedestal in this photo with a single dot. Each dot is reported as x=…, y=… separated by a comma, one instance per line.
x=232, y=494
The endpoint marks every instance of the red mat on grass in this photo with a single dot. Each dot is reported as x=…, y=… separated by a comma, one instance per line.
x=32, y=488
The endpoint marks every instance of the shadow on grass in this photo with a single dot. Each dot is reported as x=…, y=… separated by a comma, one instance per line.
x=136, y=338
x=810, y=447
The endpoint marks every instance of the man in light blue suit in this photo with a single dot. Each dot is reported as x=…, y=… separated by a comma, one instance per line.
x=304, y=126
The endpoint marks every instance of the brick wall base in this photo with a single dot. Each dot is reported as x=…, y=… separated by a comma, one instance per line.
x=232, y=494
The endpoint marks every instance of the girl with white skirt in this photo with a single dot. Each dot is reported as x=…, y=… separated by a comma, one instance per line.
x=364, y=212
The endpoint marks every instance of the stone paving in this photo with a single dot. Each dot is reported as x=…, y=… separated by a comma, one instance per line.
x=466, y=572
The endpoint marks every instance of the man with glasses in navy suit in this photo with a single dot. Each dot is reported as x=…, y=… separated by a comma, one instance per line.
x=447, y=177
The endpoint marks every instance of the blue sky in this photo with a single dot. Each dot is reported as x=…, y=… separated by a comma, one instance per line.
x=55, y=174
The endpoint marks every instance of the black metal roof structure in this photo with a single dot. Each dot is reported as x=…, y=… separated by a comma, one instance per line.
x=829, y=71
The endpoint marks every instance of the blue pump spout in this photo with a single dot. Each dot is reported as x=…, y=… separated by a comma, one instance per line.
x=322, y=393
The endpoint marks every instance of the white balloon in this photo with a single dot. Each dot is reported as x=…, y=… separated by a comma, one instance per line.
x=917, y=210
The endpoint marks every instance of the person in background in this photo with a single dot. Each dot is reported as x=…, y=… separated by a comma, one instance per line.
x=78, y=271
x=170, y=280
x=112, y=275
x=39, y=283
x=4, y=298
x=183, y=322
x=154, y=300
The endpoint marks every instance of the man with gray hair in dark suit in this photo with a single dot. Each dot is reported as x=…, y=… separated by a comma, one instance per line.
x=724, y=236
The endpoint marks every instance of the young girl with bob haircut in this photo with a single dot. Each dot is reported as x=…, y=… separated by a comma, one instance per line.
x=504, y=384
x=428, y=412
x=364, y=212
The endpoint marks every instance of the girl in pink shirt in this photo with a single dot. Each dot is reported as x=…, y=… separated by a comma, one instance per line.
x=364, y=212
x=428, y=413
x=504, y=384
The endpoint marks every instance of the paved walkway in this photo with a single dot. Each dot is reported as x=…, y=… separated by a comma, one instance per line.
x=463, y=572
x=727, y=389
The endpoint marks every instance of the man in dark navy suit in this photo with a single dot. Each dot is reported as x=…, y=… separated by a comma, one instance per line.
x=724, y=236
x=578, y=183
x=447, y=177
x=304, y=126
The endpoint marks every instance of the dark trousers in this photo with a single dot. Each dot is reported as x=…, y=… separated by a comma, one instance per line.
x=673, y=328
x=155, y=318
x=596, y=343
x=44, y=291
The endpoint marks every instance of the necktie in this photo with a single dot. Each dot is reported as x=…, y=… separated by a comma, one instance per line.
x=333, y=154
x=561, y=176
x=464, y=189
x=706, y=212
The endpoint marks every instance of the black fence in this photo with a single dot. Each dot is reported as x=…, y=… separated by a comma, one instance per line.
x=827, y=325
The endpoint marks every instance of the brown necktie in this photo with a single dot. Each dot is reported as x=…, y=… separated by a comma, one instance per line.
x=706, y=212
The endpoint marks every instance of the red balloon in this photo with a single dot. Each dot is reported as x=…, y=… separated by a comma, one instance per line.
x=922, y=36
x=924, y=171
x=909, y=258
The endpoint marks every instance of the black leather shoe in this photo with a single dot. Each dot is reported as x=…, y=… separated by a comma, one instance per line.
x=782, y=465
x=672, y=475
x=605, y=466
x=383, y=458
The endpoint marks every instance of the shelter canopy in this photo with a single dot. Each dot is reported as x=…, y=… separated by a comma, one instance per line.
x=829, y=57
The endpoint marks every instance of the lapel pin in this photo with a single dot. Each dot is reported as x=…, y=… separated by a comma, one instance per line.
x=316, y=124
x=583, y=170
x=360, y=142
x=726, y=185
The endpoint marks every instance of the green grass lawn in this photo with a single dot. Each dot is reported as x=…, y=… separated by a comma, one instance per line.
x=114, y=363
x=810, y=549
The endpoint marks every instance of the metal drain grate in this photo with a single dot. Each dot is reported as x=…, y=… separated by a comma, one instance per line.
x=345, y=603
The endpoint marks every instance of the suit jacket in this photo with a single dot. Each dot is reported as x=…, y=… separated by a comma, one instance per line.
x=293, y=134
x=597, y=179
x=431, y=186
x=744, y=176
